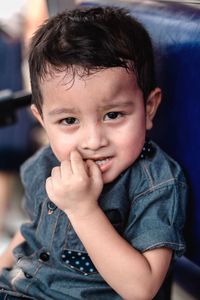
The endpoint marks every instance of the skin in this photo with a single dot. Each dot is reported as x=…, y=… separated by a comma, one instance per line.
x=96, y=128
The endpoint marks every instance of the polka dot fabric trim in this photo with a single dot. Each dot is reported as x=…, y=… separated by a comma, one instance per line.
x=148, y=150
x=79, y=261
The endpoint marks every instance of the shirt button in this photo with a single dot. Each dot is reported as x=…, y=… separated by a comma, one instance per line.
x=51, y=207
x=27, y=275
x=44, y=256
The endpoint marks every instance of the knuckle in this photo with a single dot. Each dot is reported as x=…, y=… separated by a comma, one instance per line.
x=81, y=180
x=48, y=182
x=55, y=171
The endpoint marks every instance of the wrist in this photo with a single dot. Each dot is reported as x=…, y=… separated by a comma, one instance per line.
x=83, y=212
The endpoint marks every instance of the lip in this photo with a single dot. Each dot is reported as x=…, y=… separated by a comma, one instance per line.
x=106, y=164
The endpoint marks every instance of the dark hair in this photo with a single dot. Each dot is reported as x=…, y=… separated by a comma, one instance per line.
x=93, y=39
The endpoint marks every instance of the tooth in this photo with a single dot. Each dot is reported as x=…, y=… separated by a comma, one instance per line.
x=101, y=162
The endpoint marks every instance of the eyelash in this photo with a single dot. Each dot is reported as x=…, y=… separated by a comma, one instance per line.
x=113, y=115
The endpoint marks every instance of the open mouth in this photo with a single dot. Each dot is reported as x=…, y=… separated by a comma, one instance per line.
x=101, y=162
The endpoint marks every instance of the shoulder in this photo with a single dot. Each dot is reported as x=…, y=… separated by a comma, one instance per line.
x=159, y=196
x=38, y=167
x=162, y=168
x=157, y=172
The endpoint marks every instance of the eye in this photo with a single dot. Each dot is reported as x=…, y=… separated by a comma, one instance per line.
x=70, y=121
x=112, y=115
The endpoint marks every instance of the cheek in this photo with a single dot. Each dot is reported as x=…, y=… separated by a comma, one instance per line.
x=61, y=146
x=131, y=145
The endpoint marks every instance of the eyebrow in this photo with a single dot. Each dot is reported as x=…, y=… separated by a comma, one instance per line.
x=117, y=104
x=64, y=110
x=71, y=110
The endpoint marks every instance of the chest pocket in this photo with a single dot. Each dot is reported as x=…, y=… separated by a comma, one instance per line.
x=78, y=261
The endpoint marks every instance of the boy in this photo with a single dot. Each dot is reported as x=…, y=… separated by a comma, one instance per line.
x=106, y=212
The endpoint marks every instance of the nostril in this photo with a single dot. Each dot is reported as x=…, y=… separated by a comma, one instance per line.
x=93, y=143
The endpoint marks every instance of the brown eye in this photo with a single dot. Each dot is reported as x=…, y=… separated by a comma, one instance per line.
x=112, y=115
x=70, y=121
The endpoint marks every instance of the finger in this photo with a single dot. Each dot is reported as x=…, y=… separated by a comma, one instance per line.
x=95, y=176
x=49, y=187
x=77, y=163
x=65, y=169
x=56, y=173
x=94, y=171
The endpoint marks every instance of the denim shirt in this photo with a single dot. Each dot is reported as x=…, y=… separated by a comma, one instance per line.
x=146, y=204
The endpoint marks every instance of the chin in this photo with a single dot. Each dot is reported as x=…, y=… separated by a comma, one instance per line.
x=108, y=178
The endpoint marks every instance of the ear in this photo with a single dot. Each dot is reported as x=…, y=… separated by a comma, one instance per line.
x=37, y=115
x=152, y=105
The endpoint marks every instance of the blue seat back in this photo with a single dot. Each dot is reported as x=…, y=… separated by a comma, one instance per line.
x=175, y=32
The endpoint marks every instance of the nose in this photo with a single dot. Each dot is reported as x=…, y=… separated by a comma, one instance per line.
x=93, y=137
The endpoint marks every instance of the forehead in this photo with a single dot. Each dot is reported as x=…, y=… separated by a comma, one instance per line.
x=105, y=84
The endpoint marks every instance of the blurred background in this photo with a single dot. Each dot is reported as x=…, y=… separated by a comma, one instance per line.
x=20, y=138
x=20, y=134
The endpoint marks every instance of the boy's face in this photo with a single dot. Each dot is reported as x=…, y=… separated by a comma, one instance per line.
x=103, y=116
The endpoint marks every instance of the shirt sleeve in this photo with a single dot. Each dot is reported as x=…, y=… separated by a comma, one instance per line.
x=157, y=219
x=33, y=176
x=28, y=206
x=32, y=180
x=28, y=202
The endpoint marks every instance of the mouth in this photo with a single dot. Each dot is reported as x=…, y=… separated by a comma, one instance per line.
x=104, y=163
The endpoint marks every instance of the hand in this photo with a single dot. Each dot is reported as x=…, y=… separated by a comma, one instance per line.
x=75, y=185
